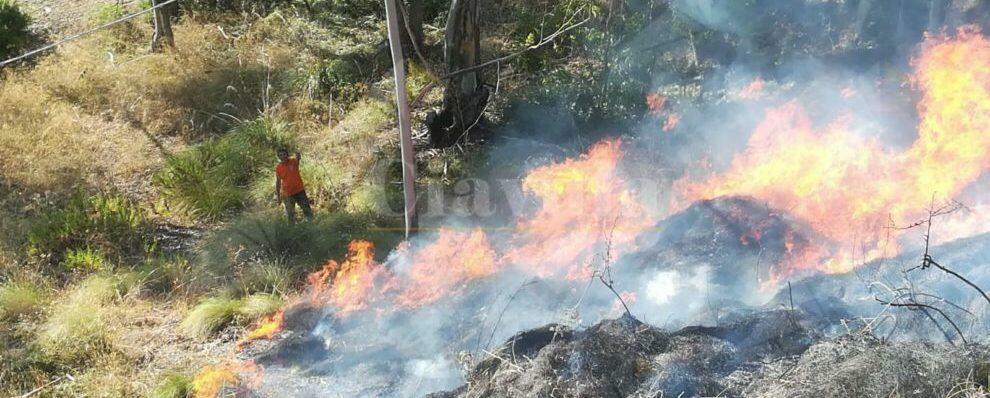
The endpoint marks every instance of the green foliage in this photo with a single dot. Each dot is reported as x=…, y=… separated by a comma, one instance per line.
x=85, y=260
x=210, y=316
x=345, y=79
x=14, y=34
x=174, y=385
x=211, y=179
x=297, y=247
x=166, y=274
x=274, y=277
x=107, y=224
x=20, y=299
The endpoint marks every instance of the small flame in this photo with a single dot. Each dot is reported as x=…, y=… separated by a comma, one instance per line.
x=211, y=381
x=753, y=90
x=353, y=284
x=265, y=329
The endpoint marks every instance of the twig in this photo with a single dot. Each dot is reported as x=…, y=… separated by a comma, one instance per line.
x=914, y=305
x=48, y=384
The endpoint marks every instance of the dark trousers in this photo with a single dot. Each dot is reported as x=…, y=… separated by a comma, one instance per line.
x=302, y=200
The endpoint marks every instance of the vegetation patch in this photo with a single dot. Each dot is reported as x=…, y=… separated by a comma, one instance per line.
x=89, y=230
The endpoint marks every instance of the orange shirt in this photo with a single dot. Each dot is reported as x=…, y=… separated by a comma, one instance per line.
x=288, y=172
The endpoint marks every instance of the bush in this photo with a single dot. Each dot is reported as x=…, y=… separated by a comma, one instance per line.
x=107, y=224
x=17, y=300
x=174, y=385
x=85, y=260
x=212, y=178
x=14, y=34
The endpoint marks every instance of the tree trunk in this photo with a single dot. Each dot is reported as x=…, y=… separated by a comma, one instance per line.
x=465, y=95
x=163, y=25
x=411, y=25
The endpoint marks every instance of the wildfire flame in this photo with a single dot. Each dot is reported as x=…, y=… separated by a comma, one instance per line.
x=265, y=329
x=585, y=204
x=356, y=281
x=845, y=185
x=211, y=381
x=445, y=266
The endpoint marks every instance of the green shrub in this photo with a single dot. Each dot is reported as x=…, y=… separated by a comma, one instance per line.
x=212, y=178
x=86, y=260
x=14, y=34
x=297, y=247
x=166, y=274
x=173, y=385
x=107, y=224
x=18, y=300
x=213, y=314
x=273, y=277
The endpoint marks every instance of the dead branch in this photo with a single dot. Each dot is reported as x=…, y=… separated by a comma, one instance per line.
x=916, y=306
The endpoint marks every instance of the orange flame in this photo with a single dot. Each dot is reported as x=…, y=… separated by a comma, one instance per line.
x=211, y=381
x=846, y=186
x=352, y=285
x=585, y=205
x=265, y=329
x=446, y=266
x=753, y=90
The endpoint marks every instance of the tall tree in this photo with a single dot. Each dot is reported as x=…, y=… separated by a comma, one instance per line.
x=163, y=16
x=465, y=94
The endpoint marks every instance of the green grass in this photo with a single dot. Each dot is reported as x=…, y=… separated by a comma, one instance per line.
x=14, y=33
x=211, y=315
x=87, y=225
x=77, y=329
x=212, y=179
x=18, y=300
x=173, y=385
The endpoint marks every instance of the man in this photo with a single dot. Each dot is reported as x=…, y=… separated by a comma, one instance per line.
x=289, y=187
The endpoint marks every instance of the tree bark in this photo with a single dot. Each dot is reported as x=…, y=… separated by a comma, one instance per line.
x=465, y=95
x=163, y=25
x=411, y=26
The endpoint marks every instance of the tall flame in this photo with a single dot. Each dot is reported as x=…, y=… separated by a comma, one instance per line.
x=585, y=204
x=356, y=282
x=846, y=186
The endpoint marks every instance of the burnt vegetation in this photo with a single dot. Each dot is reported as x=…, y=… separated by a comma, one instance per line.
x=140, y=244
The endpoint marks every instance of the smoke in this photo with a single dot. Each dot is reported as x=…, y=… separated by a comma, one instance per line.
x=787, y=164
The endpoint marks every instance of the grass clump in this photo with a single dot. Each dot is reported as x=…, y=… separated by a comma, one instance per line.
x=77, y=331
x=88, y=230
x=20, y=299
x=211, y=179
x=213, y=314
x=173, y=385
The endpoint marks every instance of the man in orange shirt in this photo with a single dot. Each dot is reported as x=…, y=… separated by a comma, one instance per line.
x=289, y=187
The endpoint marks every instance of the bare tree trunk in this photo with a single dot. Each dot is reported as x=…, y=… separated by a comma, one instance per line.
x=163, y=25
x=411, y=24
x=395, y=32
x=465, y=95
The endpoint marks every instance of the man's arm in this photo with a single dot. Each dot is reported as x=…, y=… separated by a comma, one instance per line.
x=278, y=188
